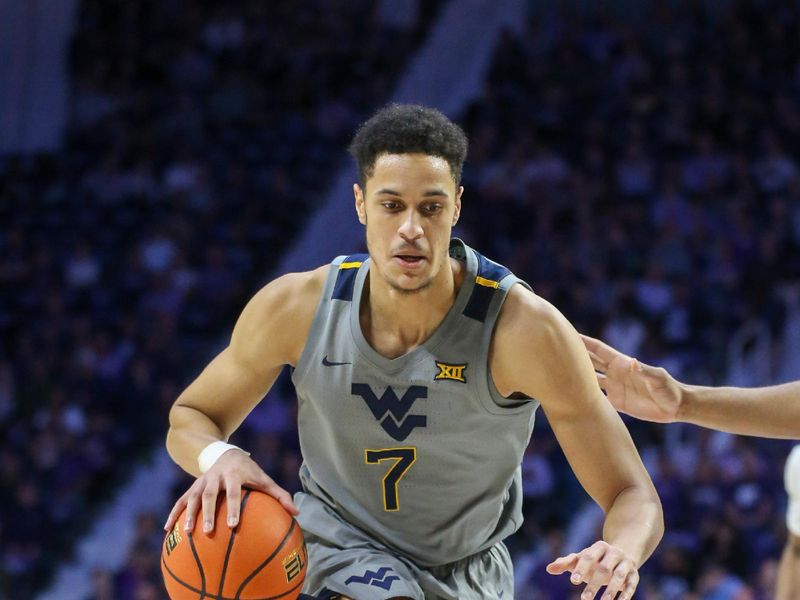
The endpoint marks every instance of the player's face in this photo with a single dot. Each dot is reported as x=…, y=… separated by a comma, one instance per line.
x=409, y=207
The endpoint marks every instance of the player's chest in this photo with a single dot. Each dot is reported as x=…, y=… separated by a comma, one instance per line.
x=428, y=394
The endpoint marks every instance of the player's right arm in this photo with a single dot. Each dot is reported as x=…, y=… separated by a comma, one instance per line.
x=787, y=585
x=651, y=393
x=270, y=333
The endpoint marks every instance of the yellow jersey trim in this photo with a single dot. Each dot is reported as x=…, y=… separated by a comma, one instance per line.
x=487, y=282
x=350, y=265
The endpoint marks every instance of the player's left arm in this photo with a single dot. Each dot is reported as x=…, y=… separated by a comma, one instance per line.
x=537, y=352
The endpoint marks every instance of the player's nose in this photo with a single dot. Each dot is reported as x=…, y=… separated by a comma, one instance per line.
x=411, y=226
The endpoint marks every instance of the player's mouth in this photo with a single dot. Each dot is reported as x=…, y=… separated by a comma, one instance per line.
x=409, y=261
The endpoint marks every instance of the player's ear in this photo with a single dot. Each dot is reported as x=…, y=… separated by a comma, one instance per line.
x=457, y=212
x=359, y=196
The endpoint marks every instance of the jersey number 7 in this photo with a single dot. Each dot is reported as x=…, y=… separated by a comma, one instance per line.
x=403, y=459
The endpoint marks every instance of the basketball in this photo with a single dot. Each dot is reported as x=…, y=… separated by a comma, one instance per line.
x=262, y=558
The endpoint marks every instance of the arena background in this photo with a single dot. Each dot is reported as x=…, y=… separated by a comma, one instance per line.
x=636, y=162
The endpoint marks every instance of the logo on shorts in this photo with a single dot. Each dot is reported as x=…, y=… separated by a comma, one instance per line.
x=376, y=578
x=391, y=411
x=451, y=372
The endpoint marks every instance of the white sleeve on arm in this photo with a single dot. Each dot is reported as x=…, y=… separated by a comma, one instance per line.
x=791, y=476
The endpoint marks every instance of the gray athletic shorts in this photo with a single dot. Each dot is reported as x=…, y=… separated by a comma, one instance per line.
x=345, y=560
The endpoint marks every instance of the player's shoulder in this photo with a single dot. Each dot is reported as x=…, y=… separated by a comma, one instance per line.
x=529, y=323
x=524, y=308
x=532, y=345
x=299, y=285
x=290, y=296
x=276, y=320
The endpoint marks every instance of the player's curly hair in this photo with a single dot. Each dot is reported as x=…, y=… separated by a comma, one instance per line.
x=404, y=129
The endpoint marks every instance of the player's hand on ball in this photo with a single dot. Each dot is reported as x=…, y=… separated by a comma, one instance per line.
x=233, y=470
x=601, y=564
x=632, y=387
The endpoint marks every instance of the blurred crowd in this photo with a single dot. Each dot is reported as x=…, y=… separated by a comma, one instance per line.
x=643, y=173
x=201, y=136
x=639, y=171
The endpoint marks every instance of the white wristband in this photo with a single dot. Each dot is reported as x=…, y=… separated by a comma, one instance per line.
x=211, y=453
x=792, y=479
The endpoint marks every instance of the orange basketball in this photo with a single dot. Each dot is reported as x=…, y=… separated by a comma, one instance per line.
x=262, y=558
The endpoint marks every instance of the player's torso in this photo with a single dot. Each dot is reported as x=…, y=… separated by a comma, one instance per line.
x=415, y=450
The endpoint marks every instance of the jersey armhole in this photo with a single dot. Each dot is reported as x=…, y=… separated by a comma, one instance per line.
x=491, y=399
x=318, y=321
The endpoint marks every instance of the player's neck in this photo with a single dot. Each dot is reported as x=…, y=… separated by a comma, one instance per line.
x=394, y=322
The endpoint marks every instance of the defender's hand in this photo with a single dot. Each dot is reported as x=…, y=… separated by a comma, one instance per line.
x=634, y=388
x=601, y=564
x=230, y=473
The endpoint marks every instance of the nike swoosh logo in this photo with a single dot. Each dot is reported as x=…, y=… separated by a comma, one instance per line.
x=327, y=363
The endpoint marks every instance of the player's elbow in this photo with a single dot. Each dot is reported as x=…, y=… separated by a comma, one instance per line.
x=177, y=423
x=188, y=427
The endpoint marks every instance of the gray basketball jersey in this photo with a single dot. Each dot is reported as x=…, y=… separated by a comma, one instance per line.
x=420, y=451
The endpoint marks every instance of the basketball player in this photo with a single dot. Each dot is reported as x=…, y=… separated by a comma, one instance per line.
x=651, y=393
x=418, y=370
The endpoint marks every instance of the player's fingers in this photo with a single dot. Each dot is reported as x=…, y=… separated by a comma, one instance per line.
x=590, y=591
x=587, y=564
x=233, y=494
x=282, y=496
x=209, y=501
x=618, y=579
x=173, y=514
x=562, y=564
x=605, y=567
x=192, y=506
x=630, y=586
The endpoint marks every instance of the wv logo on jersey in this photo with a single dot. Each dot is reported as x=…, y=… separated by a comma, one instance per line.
x=376, y=578
x=451, y=372
x=391, y=411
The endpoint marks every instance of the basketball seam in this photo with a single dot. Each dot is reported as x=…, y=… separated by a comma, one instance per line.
x=231, y=540
x=178, y=579
x=190, y=587
x=203, y=592
x=266, y=562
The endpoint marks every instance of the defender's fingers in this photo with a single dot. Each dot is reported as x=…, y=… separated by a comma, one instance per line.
x=209, y=500
x=601, y=350
x=602, y=381
x=597, y=362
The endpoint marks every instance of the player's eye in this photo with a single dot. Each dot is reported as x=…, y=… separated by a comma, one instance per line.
x=390, y=205
x=431, y=209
